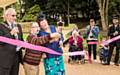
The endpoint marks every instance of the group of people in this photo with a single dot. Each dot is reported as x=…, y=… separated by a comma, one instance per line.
x=40, y=34
x=91, y=35
x=76, y=42
x=43, y=34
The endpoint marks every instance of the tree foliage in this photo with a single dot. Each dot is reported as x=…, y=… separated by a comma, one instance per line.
x=78, y=9
x=32, y=13
x=114, y=7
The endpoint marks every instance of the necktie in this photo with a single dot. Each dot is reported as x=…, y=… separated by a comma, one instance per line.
x=16, y=36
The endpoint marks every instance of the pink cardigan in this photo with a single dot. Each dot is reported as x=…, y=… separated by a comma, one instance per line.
x=79, y=41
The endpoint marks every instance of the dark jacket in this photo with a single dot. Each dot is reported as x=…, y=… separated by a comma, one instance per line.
x=111, y=31
x=8, y=51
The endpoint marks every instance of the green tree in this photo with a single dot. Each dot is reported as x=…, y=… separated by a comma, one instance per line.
x=73, y=8
x=32, y=13
x=114, y=7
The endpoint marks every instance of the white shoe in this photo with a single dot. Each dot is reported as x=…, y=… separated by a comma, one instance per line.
x=95, y=60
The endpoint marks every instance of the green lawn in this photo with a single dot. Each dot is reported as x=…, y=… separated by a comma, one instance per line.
x=25, y=36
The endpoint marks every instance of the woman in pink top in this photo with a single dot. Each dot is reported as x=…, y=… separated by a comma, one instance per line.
x=75, y=42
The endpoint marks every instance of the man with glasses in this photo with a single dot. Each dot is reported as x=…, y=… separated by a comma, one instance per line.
x=10, y=55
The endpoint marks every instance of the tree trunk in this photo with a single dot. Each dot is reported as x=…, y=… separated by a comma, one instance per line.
x=104, y=26
x=68, y=17
x=106, y=18
x=103, y=13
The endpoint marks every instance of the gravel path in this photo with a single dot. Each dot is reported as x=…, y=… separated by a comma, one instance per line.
x=83, y=69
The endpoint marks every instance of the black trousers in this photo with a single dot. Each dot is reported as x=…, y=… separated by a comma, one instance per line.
x=111, y=48
x=91, y=48
x=13, y=70
x=74, y=49
x=75, y=57
x=4, y=71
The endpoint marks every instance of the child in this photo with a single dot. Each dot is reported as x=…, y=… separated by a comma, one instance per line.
x=59, y=30
x=104, y=52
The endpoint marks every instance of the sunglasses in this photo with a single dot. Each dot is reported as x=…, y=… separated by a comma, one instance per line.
x=13, y=15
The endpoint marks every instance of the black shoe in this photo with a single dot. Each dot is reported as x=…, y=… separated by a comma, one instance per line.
x=106, y=64
x=116, y=64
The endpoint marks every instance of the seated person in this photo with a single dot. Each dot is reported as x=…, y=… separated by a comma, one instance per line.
x=75, y=42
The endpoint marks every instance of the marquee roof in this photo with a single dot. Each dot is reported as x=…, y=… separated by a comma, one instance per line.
x=4, y=3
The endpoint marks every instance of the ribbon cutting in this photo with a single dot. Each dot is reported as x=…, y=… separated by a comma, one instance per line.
x=38, y=48
x=75, y=53
x=47, y=50
x=27, y=45
x=110, y=40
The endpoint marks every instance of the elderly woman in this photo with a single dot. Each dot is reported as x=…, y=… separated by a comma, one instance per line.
x=75, y=42
x=32, y=58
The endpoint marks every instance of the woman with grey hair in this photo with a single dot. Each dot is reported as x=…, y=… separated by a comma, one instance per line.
x=32, y=58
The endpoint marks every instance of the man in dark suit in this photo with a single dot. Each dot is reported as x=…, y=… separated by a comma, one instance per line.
x=10, y=55
x=113, y=31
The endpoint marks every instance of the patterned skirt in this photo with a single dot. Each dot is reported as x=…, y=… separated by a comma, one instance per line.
x=54, y=66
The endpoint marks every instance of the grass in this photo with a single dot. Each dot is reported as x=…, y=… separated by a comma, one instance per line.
x=25, y=36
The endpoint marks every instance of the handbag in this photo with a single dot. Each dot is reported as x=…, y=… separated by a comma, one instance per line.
x=73, y=48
